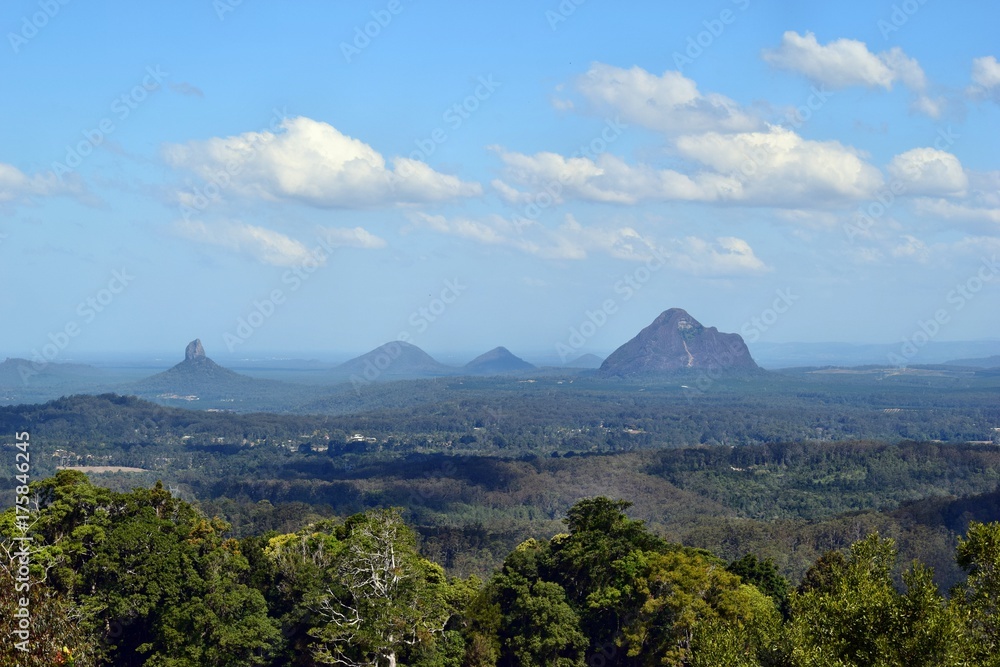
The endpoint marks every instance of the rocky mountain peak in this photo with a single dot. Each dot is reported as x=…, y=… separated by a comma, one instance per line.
x=194, y=350
x=675, y=341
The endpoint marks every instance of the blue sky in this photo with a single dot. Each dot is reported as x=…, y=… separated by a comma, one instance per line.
x=270, y=178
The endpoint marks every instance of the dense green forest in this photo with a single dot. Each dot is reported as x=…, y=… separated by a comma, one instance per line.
x=216, y=537
x=475, y=485
x=143, y=578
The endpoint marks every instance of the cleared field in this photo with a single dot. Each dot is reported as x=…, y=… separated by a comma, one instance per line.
x=102, y=468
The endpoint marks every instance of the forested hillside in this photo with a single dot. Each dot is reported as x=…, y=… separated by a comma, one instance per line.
x=142, y=578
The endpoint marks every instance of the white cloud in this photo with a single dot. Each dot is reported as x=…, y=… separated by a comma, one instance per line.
x=354, y=237
x=844, y=62
x=930, y=106
x=15, y=185
x=262, y=244
x=929, y=171
x=270, y=247
x=774, y=168
x=948, y=210
x=313, y=162
x=572, y=240
x=726, y=256
x=553, y=178
x=780, y=168
x=986, y=78
x=489, y=230
x=848, y=62
x=910, y=247
x=978, y=209
x=668, y=103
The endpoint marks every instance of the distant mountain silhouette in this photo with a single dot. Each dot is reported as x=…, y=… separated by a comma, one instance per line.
x=197, y=376
x=985, y=362
x=16, y=372
x=675, y=343
x=498, y=361
x=586, y=361
x=392, y=361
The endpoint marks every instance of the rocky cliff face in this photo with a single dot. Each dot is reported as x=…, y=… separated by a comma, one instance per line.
x=676, y=342
x=194, y=350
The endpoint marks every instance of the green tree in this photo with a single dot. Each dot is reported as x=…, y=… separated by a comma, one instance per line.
x=545, y=629
x=765, y=576
x=385, y=601
x=697, y=613
x=978, y=598
x=851, y=614
x=293, y=571
x=147, y=574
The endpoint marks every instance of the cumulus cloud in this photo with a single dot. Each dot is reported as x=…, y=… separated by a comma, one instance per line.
x=986, y=78
x=929, y=171
x=848, y=62
x=271, y=247
x=780, y=168
x=313, y=162
x=668, y=103
x=773, y=168
x=842, y=62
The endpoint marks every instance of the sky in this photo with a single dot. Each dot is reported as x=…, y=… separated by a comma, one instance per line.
x=319, y=178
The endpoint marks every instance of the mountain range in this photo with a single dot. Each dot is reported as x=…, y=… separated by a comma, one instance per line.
x=674, y=343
